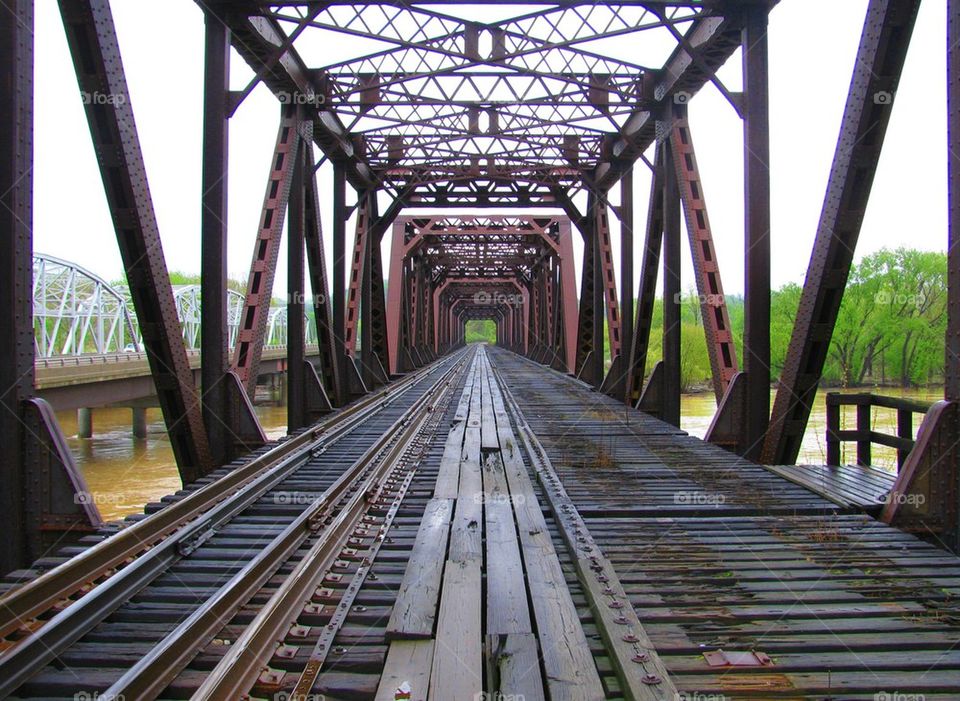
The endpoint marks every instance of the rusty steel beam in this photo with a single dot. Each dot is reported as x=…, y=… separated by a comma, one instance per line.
x=16, y=264
x=756, y=154
x=263, y=267
x=636, y=365
x=876, y=75
x=357, y=264
x=338, y=282
x=585, y=332
x=396, y=310
x=92, y=38
x=214, y=338
x=952, y=369
x=296, y=328
x=669, y=392
x=608, y=275
x=626, y=275
x=256, y=38
x=568, y=296
x=713, y=306
x=317, y=269
x=716, y=40
x=374, y=355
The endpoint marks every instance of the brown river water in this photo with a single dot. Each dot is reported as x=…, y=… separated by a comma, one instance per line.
x=123, y=473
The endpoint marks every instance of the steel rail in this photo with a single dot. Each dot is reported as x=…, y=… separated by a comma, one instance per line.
x=159, y=541
x=249, y=653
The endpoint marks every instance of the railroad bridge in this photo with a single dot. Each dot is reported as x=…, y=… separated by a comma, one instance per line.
x=455, y=521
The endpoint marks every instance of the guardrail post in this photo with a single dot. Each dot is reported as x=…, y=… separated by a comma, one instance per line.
x=833, y=430
x=863, y=434
x=904, y=430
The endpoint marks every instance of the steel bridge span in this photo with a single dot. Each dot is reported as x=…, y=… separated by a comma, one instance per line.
x=452, y=521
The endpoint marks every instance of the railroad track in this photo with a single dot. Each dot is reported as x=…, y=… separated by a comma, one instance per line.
x=293, y=511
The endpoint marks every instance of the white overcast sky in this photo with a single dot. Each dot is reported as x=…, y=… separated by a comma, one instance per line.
x=812, y=49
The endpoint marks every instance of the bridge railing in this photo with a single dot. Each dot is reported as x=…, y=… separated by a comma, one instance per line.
x=864, y=435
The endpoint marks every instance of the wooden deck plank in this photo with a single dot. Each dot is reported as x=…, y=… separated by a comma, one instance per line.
x=458, y=653
x=571, y=672
x=507, y=610
x=513, y=667
x=415, y=610
x=408, y=662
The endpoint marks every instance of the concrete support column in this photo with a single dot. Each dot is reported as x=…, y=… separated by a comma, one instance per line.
x=139, y=419
x=84, y=423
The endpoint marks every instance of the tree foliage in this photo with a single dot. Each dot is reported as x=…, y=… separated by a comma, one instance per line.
x=890, y=328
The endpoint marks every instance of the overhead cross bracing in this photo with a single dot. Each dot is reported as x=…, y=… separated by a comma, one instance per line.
x=510, y=102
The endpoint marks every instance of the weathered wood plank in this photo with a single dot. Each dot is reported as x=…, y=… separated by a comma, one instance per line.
x=513, y=667
x=458, y=654
x=488, y=428
x=408, y=662
x=507, y=610
x=571, y=672
x=415, y=611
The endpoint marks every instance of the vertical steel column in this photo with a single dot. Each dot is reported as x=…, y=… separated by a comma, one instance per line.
x=296, y=375
x=952, y=368
x=16, y=259
x=339, y=275
x=327, y=343
x=876, y=76
x=649, y=272
x=626, y=268
x=756, y=153
x=214, y=338
x=585, y=339
x=92, y=38
x=599, y=288
x=670, y=407
x=568, y=294
x=369, y=312
x=380, y=342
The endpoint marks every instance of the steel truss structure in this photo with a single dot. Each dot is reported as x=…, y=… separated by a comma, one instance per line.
x=540, y=106
x=77, y=312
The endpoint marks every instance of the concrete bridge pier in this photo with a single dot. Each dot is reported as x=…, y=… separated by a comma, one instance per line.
x=84, y=422
x=139, y=421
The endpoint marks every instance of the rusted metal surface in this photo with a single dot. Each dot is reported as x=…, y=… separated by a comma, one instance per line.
x=92, y=38
x=214, y=336
x=263, y=267
x=296, y=293
x=671, y=342
x=924, y=497
x=317, y=270
x=358, y=262
x=16, y=274
x=649, y=271
x=713, y=305
x=952, y=370
x=756, y=266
